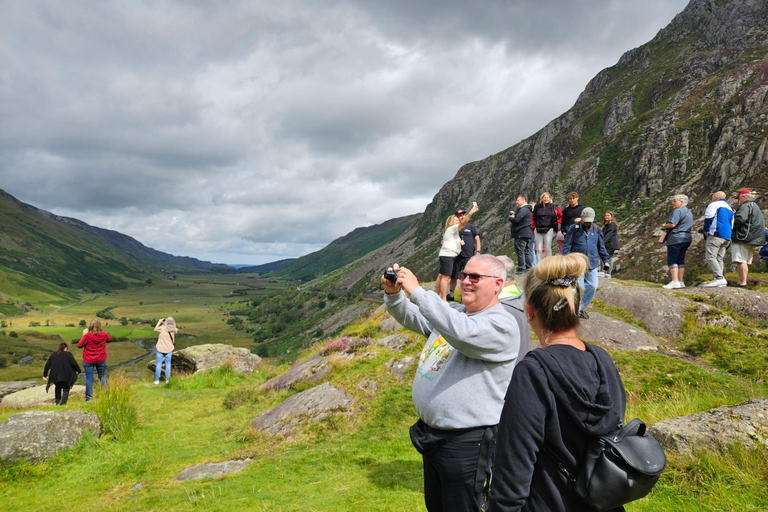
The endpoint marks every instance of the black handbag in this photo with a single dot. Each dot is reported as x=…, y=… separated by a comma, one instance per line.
x=617, y=468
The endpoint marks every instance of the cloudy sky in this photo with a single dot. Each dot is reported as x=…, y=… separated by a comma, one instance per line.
x=251, y=131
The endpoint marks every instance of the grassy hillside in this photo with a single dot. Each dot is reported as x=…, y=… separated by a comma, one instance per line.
x=364, y=461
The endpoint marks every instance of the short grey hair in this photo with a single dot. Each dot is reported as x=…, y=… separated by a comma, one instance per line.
x=749, y=197
x=509, y=265
x=498, y=269
x=682, y=198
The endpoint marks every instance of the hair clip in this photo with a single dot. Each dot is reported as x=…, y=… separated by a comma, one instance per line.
x=560, y=304
x=563, y=281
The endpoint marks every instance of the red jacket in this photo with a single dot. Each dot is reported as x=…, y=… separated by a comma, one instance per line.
x=94, y=347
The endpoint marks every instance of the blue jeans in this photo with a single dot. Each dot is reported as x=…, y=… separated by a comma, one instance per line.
x=159, y=363
x=588, y=285
x=101, y=369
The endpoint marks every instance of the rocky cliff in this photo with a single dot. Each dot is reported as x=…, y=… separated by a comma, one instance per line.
x=685, y=113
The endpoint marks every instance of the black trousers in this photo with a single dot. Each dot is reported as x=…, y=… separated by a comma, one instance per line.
x=61, y=392
x=522, y=250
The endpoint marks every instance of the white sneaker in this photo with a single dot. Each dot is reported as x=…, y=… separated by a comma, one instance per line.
x=157, y=382
x=670, y=285
x=680, y=284
x=717, y=283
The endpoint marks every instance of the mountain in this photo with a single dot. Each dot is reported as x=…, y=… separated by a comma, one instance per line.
x=266, y=267
x=685, y=113
x=343, y=250
x=71, y=254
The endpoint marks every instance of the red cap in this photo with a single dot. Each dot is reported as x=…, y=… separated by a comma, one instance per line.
x=742, y=192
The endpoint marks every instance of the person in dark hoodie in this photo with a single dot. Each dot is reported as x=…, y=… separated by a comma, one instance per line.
x=560, y=397
x=64, y=370
x=522, y=231
x=94, y=345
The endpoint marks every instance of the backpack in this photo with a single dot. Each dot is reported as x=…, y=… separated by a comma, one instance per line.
x=515, y=305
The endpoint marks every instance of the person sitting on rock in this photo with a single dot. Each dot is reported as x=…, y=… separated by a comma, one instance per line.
x=64, y=371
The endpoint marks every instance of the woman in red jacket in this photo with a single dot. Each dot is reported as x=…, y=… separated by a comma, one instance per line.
x=94, y=345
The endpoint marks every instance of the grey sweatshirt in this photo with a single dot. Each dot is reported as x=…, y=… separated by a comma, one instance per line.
x=466, y=364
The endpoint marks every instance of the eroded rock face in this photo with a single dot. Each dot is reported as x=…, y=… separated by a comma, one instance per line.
x=311, y=369
x=213, y=470
x=36, y=435
x=395, y=342
x=615, y=333
x=200, y=358
x=748, y=303
x=398, y=367
x=37, y=397
x=6, y=388
x=745, y=423
x=314, y=404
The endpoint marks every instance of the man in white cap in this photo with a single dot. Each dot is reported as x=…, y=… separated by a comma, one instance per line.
x=586, y=237
x=748, y=232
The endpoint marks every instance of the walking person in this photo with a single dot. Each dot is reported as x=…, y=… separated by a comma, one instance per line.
x=546, y=218
x=748, y=229
x=164, y=348
x=94, y=345
x=520, y=228
x=611, y=239
x=678, y=240
x=63, y=373
x=718, y=226
x=560, y=397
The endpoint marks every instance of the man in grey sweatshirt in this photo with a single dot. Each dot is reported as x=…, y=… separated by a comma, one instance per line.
x=461, y=380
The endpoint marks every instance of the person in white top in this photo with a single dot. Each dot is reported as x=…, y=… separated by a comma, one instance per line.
x=165, y=344
x=450, y=248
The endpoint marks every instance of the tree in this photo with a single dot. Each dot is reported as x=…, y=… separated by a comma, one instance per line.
x=123, y=320
x=82, y=323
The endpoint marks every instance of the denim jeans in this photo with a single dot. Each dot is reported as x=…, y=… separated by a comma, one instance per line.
x=101, y=369
x=588, y=285
x=159, y=363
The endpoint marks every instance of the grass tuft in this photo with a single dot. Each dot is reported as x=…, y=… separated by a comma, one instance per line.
x=117, y=412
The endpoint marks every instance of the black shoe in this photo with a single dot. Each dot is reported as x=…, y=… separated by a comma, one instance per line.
x=449, y=298
x=519, y=272
x=584, y=315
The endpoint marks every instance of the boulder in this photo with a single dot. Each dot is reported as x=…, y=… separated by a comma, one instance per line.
x=200, y=358
x=367, y=385
x=395, y=342
x=37, y=397
x=745, y=423
x=389, y=324
x=660, y=312
x=615, y=333
x=311, y=369
x=398, y=367
x=744, y=302
x=6, y=388
x=313, y=404
x=213, y=470
x=36, y=435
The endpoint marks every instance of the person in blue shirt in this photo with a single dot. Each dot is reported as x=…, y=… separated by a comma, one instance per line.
x=586, y=237
x=718, y=224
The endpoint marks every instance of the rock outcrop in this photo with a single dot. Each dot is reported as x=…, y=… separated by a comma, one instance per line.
x=36, y=435
x=395, y=342
x=6, y=388
x=398, y=367
x=311, y=369
x=200, y=358
x=315, y=404
x=745, y=424
x=37, y=397
x=213, y=470
x=615, y=333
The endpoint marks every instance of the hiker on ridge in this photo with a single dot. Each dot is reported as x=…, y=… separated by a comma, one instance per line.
x=748, y=230
x=718, y=226
x=94, y=345
x=522, y=232
x=164, y=349
x=470, y=246
x=462, y=376
x=678, y=240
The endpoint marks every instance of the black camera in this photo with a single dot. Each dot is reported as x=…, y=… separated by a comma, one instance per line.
x=390, y=275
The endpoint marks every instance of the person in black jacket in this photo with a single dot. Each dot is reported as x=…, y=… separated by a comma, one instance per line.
x=611, y=239
x=64, y=370
x=546, y=220
x=522, y=231
x=561, y=396
x=571, y=214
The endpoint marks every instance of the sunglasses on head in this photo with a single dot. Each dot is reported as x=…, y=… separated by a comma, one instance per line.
x=473, y=278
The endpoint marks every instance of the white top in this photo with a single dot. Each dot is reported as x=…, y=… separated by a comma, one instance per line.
x=451, y=242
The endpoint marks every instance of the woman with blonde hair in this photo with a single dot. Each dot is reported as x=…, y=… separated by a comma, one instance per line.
x=94, y=345
x=546, y=218
x=166, y=342
x=561, y=396
x=450, y=248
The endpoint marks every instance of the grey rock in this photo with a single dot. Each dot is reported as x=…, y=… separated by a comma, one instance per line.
x=200, y=358
x=395, y=342
x=37, y=397
x=745, y=423
x=314, y=404
x=708, y=315
x=615, y=333
x=26, y=360
x=36, y=435
x=6, y=388
x=137, y=487
x=749, y=303
x=398, y=367
x=389, y=324
x=213, y=470
x=311, y=369
x=367, y=385
x=661, y=313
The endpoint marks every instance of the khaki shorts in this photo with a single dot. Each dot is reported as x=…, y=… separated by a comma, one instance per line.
x=742, y=253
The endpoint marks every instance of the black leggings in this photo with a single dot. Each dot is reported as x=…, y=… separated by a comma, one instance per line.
x=61, y=393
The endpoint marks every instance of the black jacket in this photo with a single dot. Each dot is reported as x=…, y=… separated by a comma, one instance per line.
x=63, y=368
x=570, y=214
x=611, y=236
x=545, y=217
x=562, y=397
x=520, y=224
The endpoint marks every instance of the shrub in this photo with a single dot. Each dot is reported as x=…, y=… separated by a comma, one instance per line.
x=117, y=413
x=3, y=362
x=82, y=323
x=106, y=314
x=345, y=344
x=14, y=334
